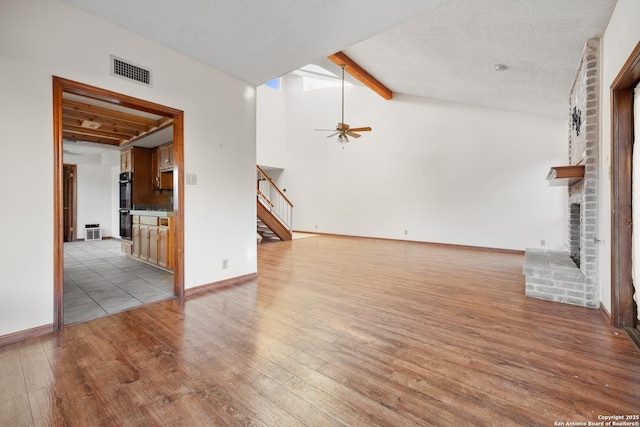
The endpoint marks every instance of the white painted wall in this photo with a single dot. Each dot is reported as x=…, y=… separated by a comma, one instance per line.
x=270, y=127
x=619, y=40
x=96, y=190
x=41, y=38
x=94, y=199
x=445, y=172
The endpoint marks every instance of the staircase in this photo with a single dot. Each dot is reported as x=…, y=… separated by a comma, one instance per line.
x=274, y=210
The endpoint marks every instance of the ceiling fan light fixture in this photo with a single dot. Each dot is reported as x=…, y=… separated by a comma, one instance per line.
x=342, y=129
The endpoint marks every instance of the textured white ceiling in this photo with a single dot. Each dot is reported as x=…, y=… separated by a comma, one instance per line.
x=256, y=40
x=450, y=52
x=442, y=49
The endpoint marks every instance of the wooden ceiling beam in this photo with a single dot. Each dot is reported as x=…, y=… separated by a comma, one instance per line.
x=104, y=120
x=70, y=123
x=98, y=132
x=340, y=58
x=92, y=138
x=106, y=112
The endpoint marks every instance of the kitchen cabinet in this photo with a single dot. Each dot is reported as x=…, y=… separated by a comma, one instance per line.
x=138, y=161
x=153, y=245
x=152, y=241
x=159, y=159
x=126, y=246
x=144, y=242
x=165, y=249
x=165, y=158
x=135, y=239
x=126, y=160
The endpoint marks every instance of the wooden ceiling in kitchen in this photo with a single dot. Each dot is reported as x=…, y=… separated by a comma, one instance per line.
x=86, y=119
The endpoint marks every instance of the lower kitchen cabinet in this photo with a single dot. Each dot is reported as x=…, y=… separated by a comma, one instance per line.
x=144, y=242
x=152, y=240
x=164, y=248
x=135, y=232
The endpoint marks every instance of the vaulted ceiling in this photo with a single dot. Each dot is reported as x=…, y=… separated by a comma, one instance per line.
x=445, y=49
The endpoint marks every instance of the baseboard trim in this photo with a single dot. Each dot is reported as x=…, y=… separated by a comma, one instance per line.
x=605, y=314
x=26, y=334
x=634, y=335
x=217, y=285
x=450, y=245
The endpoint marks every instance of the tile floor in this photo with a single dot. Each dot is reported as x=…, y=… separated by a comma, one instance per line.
x=99, y=280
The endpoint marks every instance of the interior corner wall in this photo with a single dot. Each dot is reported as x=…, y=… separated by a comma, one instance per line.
x=430, y=170
x=619, y=40
x=39, y=39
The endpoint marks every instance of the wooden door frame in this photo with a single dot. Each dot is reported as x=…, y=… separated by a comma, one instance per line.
x=61, y=85
x=73, y=196
x=622, y=134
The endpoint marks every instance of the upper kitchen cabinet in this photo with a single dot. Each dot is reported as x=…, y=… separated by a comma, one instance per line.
x=165, y=158
x=126, y=160
x=162, y=167
x=137, y=160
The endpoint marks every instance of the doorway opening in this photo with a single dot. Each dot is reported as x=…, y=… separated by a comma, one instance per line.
x=64, y=89
x=623, y=307
x=69, y=202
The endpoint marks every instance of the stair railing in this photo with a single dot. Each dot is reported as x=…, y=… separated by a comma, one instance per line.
x=273, y=199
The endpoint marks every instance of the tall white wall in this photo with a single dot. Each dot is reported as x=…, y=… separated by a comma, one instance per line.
x=442, y=171
x=270, y=127
x=619, y=40
x=41, y=38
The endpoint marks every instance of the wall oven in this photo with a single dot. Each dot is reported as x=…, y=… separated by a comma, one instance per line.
x=126, y=184
x=125, y=225
x=126, y=203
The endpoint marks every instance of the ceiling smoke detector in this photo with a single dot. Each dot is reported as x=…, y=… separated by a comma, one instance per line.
x=500, y=67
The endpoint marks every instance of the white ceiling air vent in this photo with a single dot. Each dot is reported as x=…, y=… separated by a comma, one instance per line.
x=130, y=71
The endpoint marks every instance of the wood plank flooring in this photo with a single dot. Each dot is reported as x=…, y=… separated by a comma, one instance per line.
x=335, y=331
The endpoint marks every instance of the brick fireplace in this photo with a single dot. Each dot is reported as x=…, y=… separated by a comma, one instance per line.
x=571, y=276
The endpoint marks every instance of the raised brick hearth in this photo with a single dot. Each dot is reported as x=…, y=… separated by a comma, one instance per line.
x=554, y=276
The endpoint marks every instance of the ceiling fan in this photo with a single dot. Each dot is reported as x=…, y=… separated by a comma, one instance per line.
x=342, y=129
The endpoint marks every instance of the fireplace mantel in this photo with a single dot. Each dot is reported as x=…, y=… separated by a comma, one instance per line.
x=565, y=175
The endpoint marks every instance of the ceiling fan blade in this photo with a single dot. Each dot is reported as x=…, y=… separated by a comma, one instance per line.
x=355, y=135
x=326, y=130
x=363, y=129
x=333, y=134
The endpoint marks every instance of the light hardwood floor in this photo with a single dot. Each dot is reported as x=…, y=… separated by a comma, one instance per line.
x=335, y=331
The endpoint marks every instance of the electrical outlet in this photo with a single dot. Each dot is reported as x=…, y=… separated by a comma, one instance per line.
x=543, y=243
x=406, y=232
x=192, y=179
x=225, y=263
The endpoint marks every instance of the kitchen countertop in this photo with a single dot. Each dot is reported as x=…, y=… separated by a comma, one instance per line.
x=163, y=214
